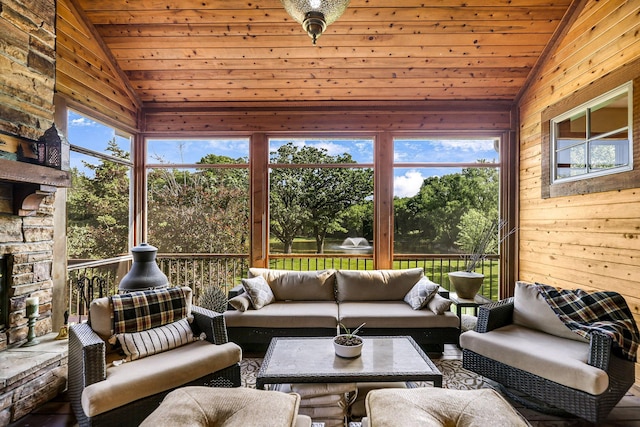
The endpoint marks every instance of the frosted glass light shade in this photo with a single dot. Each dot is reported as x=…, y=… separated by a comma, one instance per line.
x=315, y=15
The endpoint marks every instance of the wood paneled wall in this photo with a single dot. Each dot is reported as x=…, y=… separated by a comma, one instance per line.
x=588, y=241
x=85, y=73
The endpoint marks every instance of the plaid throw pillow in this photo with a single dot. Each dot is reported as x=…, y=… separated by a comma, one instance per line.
x=141, y=310
x=421, y=293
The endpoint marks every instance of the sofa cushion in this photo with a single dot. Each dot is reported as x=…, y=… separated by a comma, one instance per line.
x=421, y=293
x=141, y=378
x=240, y=302
x=557, y=359
x=438, y=304
x=425, y=406
x=225, y=407
x=287, y=314
x=392, y=314
x=531, y=310
x=137, y=345
x=298, y=285
x=258, y=291
x=375, y=285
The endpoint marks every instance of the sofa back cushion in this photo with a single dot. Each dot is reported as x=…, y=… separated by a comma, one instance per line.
x=532, y=311
x=376, y=285
x=298, y=285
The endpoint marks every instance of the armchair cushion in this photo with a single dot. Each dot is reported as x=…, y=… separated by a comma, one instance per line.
x=137, y=345
x=141, y=378
x=556, y=359
x=532, y=311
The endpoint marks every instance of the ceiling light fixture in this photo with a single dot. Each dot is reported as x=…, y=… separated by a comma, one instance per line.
x=315, y=15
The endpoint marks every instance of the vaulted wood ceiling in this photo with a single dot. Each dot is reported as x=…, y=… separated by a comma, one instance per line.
x=401, y=50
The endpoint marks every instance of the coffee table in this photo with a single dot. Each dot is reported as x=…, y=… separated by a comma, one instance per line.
x=313, y=360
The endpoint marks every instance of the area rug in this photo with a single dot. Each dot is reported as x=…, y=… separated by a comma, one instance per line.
x=454, y=376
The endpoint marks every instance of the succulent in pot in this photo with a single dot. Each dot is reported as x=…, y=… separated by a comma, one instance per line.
x=348, y=344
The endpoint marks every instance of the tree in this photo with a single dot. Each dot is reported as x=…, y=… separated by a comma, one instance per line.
x=98, y=208
x=313, y=198
x=206, y=211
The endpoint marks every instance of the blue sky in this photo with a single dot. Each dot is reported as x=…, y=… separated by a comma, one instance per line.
x=95, y=136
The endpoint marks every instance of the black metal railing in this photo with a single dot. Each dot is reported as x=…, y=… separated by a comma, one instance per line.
x=94, y=279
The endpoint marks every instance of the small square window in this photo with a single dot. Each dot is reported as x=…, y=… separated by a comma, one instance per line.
x=593, y=139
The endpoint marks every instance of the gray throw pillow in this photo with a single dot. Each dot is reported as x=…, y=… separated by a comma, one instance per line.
x=439, y=304
x=240, y=302
x=259, y=292
x=421, y=293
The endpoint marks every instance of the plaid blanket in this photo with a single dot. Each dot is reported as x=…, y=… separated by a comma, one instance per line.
x=141, y=310
x=606, y=312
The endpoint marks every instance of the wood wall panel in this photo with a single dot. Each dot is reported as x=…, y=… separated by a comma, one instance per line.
x=86, y=75
x=589, y=241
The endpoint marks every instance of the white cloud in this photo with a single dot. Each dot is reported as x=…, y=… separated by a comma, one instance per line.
x=474, y=145
x=409, y=184
x=82, y=122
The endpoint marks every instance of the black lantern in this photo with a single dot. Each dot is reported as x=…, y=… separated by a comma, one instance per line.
x=49, y=149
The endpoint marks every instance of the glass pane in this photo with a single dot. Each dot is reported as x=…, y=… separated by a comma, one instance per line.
x=321, y=210
x=572, y=128
x=195, y=151
x=97, y=208
x=609, y=153
x=422, y=150
x=571, y=162
x=198, y=210
x=318, y=150
x=610, y=115
x=87, y=133
x=434, y=208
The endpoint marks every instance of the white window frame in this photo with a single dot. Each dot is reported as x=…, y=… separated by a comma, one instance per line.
x=586, y=108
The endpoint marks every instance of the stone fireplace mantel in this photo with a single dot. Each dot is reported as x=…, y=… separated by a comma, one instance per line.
x=31, y=184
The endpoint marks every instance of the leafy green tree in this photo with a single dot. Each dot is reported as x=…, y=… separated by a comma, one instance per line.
x=434, y=213
x=202, y=211
x=98, y=208
x=314, y=199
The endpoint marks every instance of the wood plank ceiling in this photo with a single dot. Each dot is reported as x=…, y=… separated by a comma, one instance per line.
x=177, y=51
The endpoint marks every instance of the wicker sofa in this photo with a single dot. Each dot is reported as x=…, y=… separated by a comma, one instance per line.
x=520, y=343
x=105, y=390
x=315, y=303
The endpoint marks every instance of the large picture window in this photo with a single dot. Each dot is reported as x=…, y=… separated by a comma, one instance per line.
x=594, y=139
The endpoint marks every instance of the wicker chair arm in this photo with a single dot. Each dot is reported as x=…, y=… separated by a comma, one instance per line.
x=87, y=351
x=211, y=323
x=495, y=315
x=600, y=350
x=235, y=291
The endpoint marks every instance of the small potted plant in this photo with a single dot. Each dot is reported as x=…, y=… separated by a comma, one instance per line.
x=348, y=344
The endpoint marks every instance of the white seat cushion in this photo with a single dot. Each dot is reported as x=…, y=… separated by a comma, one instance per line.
x=393, y=314
x=141, y=378
x=287, y=314
x=561, y=360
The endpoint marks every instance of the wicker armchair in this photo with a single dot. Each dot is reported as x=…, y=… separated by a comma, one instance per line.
x=593, y=408
x=88, y=365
